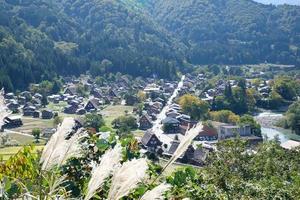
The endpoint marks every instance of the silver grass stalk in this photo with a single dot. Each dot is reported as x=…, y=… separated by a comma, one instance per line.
x=67, y=149
x=127, y=177
x=55, y=141
x=185, y=143
x=157, y=192
x=4, y=112
x=55, y=187
x=71, y=148
x=108, y=164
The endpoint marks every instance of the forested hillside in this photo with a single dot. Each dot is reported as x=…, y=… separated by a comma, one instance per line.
x=40, y=39
x=232, y=31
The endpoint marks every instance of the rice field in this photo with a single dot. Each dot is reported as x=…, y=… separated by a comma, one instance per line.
x=7, y=152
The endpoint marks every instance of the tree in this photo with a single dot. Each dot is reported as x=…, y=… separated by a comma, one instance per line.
x=249, y=120
x=286, y=87
x=141, y=95
x=293, y=117
x=275, y=100
x=130, y=99
x=125, y=124
x=225, y=116
x=57, y=86
x=36, y=132
x=57, y=120
x=93, y=120
x=44, y=100
x=193, y=106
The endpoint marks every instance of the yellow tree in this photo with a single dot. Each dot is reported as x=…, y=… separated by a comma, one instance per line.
x=193, y=106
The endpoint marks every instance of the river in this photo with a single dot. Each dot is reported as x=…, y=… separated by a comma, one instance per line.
x=266, y=120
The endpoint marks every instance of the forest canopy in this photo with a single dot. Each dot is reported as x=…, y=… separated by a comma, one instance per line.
x=41, y=39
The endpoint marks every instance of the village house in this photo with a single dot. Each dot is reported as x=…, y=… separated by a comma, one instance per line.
x=21, y=100
x=192, y=155
x=92, y=105
x=145, y=122
x=38, y=96
x=9, y=96
x=54, y=98
x=173, y=114
x=207, y=134
x=71, y=90
x=28, y=109
x=47, y=114
x=36, y=114
x=13, y=106
x=152, y=88
x=184, y=120
x=12, y=122
x=96, y=93
x=80, y=111
x=27, y=95
x=36, y=102
x=112, y=93
x=151, y=142
x=70, y=109
x=170, y=125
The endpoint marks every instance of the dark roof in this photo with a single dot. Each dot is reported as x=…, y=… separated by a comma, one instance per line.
x=173, y=147
x=199, y=155
x=208, y=131
x=147, y=136
x=72, y=89
x=94, y=102
x=170, y=120
x=47, y=111
x=147, y=117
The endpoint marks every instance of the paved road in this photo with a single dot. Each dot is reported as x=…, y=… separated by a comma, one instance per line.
x=157, y=125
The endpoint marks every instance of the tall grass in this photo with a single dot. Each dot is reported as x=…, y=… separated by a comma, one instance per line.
x=58, y=149
x=157, y=192
x=107, y=166
x=185, y=143
x=127, y=177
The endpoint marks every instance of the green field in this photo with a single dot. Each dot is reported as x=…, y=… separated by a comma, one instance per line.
x=7, y=152
x=30, y=123
x=57, y=107
x=24, y=139
x=114, y=111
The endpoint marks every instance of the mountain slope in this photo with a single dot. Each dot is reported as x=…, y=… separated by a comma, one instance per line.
x=232, y=31
x=42, y=38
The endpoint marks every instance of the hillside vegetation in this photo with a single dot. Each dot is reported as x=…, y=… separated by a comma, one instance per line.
x=232, y=31
x=40, y=39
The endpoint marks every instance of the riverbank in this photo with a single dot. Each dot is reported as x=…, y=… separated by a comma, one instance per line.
x=268, y=120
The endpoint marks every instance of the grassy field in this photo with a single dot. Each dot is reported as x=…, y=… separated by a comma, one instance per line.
x=7, y=152
x=173, y=167
x=114, y=111
x=30, y=123
x=57, y=107
x=24, y=139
